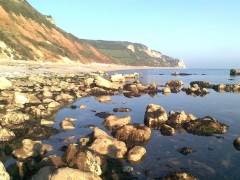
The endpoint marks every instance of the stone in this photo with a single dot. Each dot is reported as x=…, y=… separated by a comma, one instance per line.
x=20, y=98
x=66, y=125
x=88, y=82
x=31, y=149
x=46, y=122
x=179, y=117
x=53, y=104
x=13, y=118
x=82, y=158
x=70, y=173
x=152, y=87
x=64, y=97
x=113, y=120
x=174, y=83
x=136, y=153
x=186, y=150
x=103, y=83
x=133, y=132
x=234, y=72
x=167, y=130
x=5, y=83
x=103, y=99
x=154, y=114
x=83, y=107
x=51, y=160
x=236, y=143
x=127, y=169
x=17, y=170
x=131, y=87
x=45, y=173
x=166, y=90
x=6, y=134
x=205, y=126
x=102, y=143
x=117, y=78
x=3, y=173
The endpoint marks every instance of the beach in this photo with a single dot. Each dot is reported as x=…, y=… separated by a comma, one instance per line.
x=32, y=67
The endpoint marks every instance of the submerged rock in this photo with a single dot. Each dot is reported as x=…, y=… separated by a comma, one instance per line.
x=186, y=150
x=178, y=176
x=205, y=126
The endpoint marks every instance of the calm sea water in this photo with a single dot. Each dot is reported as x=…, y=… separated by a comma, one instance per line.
x=215, y=158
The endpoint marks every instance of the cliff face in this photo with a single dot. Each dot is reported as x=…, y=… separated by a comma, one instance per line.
x=135, y=54
x=27, y=34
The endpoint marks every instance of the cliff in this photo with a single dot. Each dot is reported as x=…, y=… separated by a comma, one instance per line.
x=27, y=34
x=135, y=54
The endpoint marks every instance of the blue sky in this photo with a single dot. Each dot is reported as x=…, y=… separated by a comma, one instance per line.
x=204, y=33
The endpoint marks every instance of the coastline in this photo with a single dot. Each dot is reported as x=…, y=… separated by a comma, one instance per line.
x=17, y=67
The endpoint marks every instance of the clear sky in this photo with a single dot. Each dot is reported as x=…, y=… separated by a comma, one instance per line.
x=204, y=33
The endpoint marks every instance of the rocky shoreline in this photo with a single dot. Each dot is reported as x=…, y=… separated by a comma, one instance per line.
x=27, y=100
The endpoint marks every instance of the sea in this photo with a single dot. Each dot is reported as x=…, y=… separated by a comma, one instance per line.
x=214, y=158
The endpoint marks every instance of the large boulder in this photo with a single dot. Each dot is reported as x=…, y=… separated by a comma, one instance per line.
x=154, y=114
x=4, y=83
x=70, y=173
x=31, y=149
x=205, y=126
x=3, y=173
x=102, y=143
x=133, y=134
x=82, y=158
x=179, y=117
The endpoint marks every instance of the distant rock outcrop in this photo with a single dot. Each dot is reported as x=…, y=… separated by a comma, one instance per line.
x=234, y=72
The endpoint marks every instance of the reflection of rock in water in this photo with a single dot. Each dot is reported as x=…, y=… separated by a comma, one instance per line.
x=178, y=176
x=227, y=88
